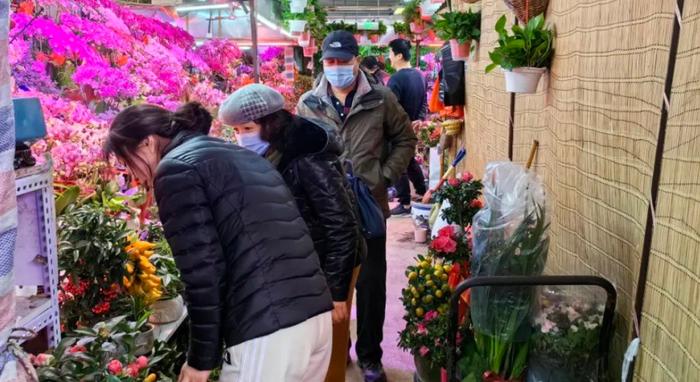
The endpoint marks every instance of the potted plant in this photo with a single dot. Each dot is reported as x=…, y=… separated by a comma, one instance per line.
x=375, y=35
x=297, y=6
x=412, y=17
x=104, y=352
x=460, y=28
x=400, y=29
x=297, y=23
x=524, y=55
x=170, y=306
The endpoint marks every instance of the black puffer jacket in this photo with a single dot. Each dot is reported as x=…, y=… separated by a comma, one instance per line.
x=309, y=165
x=244, y=252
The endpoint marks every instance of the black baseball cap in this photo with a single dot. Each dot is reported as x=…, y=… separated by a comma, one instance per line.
x=340, y=45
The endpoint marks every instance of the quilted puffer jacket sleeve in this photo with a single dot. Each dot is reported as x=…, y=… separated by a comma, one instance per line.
x=191, y=232
x=327, y=197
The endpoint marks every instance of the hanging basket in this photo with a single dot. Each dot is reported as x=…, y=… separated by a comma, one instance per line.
x=526, y=9
x=460, y=52
x=452, y=126
x=523, y=80
x=297, y=26
x=297, y=6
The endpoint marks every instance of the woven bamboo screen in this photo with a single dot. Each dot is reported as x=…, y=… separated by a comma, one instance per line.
x=488, y=110
x=671, y=316
x=597, y=119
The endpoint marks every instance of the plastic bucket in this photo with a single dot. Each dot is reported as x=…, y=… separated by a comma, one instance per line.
x=421, y=210
x=523, y=80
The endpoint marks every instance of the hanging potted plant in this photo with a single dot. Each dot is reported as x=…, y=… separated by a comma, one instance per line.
x=524, y=55
x=297, y=6
x=375, y=35
x=412, y=17
x=460, y=28
x=400, y=29
x=297, y=24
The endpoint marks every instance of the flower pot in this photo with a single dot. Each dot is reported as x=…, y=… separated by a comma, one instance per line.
x=297, y=6
x=143, y=343
x=523, y=80
x=297, y=26
x=420, y=235
x=425, y=372
x=304, y=39
x=309, y=51
x=167, y=311
x=460, y=52
x=374, y=38
x=417, y=28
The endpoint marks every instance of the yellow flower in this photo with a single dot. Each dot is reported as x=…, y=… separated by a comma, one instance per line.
x=127, y=282
x=151, y=378
x=129, y=268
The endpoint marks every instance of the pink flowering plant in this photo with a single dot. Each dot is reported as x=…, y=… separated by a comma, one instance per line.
x=566, y=337
x=105, y=352
x=463, y=195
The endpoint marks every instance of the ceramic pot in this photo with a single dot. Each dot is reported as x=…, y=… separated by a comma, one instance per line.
x=167, y=311
x=460, y=52
x=143, y=343
x=523, y=80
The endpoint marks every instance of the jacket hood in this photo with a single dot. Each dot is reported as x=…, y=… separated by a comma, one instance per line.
x=310, y=137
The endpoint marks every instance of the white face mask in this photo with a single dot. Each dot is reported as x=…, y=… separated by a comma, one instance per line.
x=253, y=142
x=340, y=76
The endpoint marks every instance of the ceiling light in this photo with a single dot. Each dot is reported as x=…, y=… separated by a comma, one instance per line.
x=191, y=8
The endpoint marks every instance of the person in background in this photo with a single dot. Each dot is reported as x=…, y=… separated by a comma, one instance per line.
x=379, y=142
x=253, y=281
x=306, y=154
x=409, y=86
x=374, y=71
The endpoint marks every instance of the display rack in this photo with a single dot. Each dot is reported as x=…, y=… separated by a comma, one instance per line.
x=35, y=260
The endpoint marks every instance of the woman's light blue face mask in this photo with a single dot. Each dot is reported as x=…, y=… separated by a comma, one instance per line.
x=253, y=142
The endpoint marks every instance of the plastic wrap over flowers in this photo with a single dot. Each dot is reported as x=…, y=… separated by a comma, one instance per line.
x=510, y=238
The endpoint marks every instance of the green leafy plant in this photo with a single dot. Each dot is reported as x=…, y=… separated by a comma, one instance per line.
x=401, y=28
x=91, y=257
x=460, y=26
x=463, y=195
x=316, y=19
x=411, y=12
x=381, y=30
x=335, y=26
x=529, y=46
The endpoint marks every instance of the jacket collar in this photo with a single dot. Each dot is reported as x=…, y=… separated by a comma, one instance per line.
x=179, y=139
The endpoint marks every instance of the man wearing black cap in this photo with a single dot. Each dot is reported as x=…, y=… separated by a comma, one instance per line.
x=379, y=141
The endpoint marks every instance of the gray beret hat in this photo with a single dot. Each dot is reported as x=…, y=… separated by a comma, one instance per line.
x=250, y=103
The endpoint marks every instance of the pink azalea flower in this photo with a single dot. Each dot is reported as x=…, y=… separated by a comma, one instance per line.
x=423, y=351
x=421, y=330
x=431, y=315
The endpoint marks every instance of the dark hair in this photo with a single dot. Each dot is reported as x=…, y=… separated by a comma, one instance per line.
x=370, y=63
x=136, y=123
x=273, y=128
x=402, y=47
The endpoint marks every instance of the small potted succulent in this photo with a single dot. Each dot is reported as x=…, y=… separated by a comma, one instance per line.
x=524, y=55
x=460, y=28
